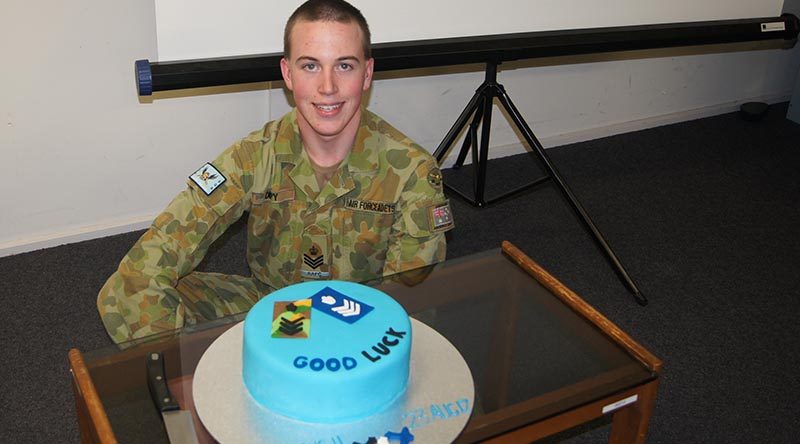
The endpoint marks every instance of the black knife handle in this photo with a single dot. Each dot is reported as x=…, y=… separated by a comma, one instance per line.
x=157, y=381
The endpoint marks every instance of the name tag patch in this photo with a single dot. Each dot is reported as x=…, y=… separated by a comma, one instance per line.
x=272, y=196
x=371, y=206
x=441, y=217
x=207, y=178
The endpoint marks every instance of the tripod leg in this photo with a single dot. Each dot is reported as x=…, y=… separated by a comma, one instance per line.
x=562, y=185
x=474, y=137
x=483, y=157
x=447, y=142
x=470, y=141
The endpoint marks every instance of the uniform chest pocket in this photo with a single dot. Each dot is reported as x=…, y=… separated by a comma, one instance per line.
x=272, y=224
x=360, y=241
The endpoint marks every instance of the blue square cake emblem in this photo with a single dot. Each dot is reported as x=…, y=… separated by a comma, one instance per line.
x=340, y=306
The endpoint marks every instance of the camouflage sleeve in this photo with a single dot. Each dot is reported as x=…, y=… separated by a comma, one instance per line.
x=417, y=237
x=140, y=299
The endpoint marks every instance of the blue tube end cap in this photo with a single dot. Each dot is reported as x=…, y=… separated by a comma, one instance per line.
x=144, y=78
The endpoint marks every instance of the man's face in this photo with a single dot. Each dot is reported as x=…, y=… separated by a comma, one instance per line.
x=327, y=73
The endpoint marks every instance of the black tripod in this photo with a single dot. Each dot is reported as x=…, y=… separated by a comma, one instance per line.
x=480, y=108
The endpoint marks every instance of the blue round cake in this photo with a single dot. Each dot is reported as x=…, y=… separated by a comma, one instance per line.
x=326, y=351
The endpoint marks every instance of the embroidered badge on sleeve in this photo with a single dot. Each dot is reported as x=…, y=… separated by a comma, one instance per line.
x=208, y=178
x=441, y=217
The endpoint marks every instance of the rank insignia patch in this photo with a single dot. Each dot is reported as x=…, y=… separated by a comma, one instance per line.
x=314, y=258
x=441, y=217
x=292, y=320
x=208, y=178
x=341, y=307
x=314, y=266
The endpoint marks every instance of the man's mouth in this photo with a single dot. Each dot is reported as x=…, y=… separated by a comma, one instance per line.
x=328, y=108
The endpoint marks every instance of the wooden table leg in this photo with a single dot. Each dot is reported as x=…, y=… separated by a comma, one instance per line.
x=92, y=419
x=84, y=423
x=630, y=423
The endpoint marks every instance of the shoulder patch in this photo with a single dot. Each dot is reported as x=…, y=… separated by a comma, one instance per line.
x=435, y=177
x=208, y=178
x=440, y=216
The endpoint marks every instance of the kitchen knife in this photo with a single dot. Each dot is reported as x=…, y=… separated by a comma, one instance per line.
x=179, y=424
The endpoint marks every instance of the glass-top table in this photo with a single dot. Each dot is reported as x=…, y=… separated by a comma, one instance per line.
x=542, y=359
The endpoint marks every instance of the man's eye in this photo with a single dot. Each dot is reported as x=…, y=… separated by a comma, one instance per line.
x=310, y=66
x=345, y=67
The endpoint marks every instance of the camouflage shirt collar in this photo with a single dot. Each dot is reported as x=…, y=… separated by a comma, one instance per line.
x=363, y=157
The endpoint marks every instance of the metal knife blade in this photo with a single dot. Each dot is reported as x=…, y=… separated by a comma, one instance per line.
x=179, y=423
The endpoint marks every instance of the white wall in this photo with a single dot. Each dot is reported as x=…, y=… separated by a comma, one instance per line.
x=84, y=158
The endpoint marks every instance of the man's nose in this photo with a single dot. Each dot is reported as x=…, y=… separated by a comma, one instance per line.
x=328, y=82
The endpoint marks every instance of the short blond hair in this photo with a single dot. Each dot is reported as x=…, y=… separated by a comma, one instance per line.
x=327, y=11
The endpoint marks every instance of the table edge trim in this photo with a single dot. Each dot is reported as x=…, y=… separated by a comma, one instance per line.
x=577, y=304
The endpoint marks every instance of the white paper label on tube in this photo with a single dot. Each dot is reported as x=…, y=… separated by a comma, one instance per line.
x=772, y=27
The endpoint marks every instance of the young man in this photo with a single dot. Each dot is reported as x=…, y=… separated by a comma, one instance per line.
x=332, y=192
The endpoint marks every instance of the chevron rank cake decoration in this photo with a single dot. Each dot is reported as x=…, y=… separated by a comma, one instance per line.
x=292, y=319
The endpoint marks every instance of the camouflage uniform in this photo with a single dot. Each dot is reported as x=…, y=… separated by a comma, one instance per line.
x=382, y=212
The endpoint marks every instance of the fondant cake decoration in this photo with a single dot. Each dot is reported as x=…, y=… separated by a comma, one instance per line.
x=332, y=364
x=402, y=437
x=390, y=339
x=291, y=319
x=344, y=308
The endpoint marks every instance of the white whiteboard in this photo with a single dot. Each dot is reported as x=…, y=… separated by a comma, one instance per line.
x=189, y=29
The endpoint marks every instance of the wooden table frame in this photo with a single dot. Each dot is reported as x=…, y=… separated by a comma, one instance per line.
x=630, y=420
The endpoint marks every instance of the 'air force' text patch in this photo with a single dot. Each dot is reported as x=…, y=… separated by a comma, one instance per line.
x=371, y=206
x=207, y=178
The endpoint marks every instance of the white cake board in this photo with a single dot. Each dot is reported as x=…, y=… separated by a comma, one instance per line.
x=435, y=407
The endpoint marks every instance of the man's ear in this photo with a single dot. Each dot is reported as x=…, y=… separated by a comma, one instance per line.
x=370, y=65
x=286, y=72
